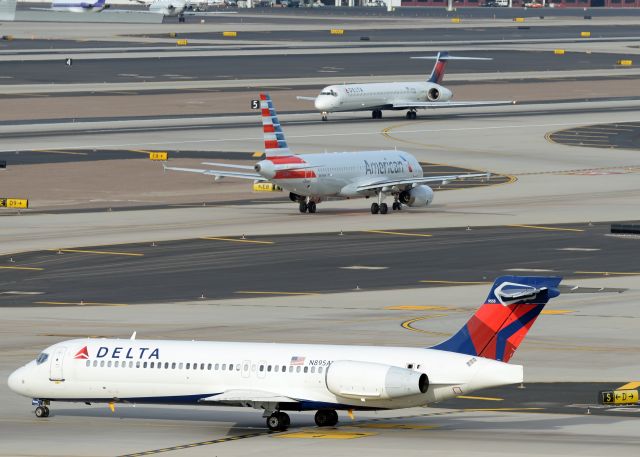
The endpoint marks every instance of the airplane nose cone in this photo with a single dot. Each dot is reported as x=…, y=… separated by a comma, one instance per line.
x=16, y=380
x=322, y=104
x=265, y=168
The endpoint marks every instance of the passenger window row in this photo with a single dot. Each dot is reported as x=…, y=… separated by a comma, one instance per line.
x=202, y=366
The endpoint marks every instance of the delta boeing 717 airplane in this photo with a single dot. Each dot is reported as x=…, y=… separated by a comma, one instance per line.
x=312, y=178
x=292, y=377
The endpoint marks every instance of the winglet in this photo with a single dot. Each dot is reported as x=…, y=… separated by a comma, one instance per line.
x=133, y=335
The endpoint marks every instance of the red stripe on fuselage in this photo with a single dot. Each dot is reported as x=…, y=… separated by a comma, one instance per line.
x=285, y=160
x=294, y=174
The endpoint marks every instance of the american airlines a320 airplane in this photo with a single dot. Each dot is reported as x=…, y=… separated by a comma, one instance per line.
x=312, y=178
x=293, y=377
x=397, y=96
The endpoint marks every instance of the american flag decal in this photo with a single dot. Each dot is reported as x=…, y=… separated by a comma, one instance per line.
x=295, y=360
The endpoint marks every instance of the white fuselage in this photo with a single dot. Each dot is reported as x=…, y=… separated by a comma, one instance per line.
x=185, y=372
x=355, y=97
x=78, y=7
x=168, y=7
x=339, y=174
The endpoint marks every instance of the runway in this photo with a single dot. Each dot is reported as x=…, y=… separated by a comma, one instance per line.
x=291, y=66
x=226, y=267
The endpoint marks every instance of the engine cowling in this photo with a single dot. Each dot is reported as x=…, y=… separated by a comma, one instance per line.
x=433, y=94
x=367, y=380
x=418, y=196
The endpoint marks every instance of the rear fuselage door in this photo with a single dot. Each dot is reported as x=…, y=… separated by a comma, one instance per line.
x=57, y=361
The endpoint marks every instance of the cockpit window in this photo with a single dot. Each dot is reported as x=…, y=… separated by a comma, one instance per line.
x=42, y=358
x=329, y=92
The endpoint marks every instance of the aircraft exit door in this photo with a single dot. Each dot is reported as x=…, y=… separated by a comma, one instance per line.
x=55, y=370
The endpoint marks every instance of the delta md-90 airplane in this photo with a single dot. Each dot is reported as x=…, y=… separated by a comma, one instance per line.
x=396, y=96
x=292, y=377
x=312, y=178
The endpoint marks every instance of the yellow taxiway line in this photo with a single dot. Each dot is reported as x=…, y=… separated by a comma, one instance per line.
x=84, y=251
x=81, y=303
x=386, y=232
x=237, y=240
x=54, y=151
x=560, y=229
x=330, y=434
x=556, y=312
x=270, y=292
x=462, y=283
x=630, y=386
x=469, y=397
x=416, y=308
x=408, y=325
x=608, y=273
x=21, y=268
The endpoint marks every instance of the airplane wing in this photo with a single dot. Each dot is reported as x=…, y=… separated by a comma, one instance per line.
x=433, y=105
x=243, y=397
x=445, y=179
x=311, y=99
x=207, y=13
x=229, y=165
x=218, y=173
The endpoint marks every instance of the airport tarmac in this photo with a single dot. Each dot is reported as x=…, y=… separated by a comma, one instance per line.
x=572, y=342
x=294, y=278
x=218, y=267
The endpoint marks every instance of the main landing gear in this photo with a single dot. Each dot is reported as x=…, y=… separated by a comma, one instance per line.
x=326, y=418
x=411, y=114
x=278, y=421
x=382, y=208
x=376, y=114
x=308, y=206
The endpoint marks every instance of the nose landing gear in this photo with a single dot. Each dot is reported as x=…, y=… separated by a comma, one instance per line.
x=324, y=115
x=376, y=114
x=42, y=409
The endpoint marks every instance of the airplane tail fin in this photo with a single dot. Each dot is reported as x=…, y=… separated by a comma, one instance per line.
x=496, y=329
x=437, y=74
x=274, y=141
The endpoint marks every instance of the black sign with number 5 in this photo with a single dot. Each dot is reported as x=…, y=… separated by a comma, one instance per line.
x=255, y=104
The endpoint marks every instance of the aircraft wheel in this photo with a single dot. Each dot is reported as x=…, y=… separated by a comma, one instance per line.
x=311, y=207
x=303, y=207
x=395, y=206
x=408, y=115
x=278, y=422
x=375, y=208
x=384, y=209
x=326, y=418
x=42, y=411
x=324, y=116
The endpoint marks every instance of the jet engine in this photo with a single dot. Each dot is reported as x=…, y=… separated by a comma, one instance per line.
x=418, y=196
x=367, y=380
x=295, y=197
x=433, y=94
